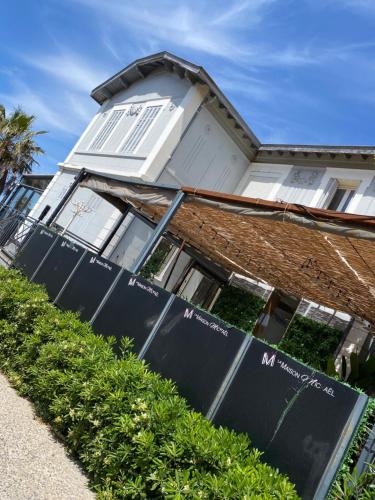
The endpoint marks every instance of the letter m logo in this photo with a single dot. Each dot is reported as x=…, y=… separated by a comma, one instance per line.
x=132, y=281
x=188, y=313
x=268, y=361
x=92, y=260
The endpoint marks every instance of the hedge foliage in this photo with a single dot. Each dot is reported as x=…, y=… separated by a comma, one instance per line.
x=311, y=342
x=307, y=340
x=129, y=428
x=238, y=307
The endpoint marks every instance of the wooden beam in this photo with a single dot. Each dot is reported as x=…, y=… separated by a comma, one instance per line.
x=124, y=82
x=139, y=71
x=180, y=72
x=168, y=66
x=106, y=93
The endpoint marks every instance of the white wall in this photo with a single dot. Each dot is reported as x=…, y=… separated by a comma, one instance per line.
x=54, y=193
x=180, y=101
x=165, y=89
x=206, y=157
x=88, y=226
x=262, y=180
x=306, y=185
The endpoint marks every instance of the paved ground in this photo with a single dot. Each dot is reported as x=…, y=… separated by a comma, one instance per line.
x=33, y=465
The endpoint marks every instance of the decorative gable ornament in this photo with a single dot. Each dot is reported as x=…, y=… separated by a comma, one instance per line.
x=134, y=110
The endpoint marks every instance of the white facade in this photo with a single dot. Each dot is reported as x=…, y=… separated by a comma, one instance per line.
x=311, y=186
x=181, y=144
x=163, y=120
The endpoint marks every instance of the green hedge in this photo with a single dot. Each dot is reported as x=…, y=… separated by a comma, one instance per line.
x=311, y=342
x=129, y=428
x=307, y=340
x=238, y=307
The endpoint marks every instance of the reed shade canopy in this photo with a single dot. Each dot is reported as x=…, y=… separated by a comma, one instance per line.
x=321, y=255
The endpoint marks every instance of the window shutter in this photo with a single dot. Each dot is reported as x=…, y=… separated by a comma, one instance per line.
x=107, y=129
x=328, y=193
x=140, y=129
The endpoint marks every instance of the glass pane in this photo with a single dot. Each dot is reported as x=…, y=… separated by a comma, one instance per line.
x=347, y=201
x=336, y=200
x=35, y=197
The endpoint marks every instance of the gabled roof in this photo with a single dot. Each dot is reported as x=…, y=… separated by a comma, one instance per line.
x=306, y=148
x=141, y=68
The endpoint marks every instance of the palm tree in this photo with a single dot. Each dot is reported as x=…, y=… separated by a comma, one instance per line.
x=17, y=146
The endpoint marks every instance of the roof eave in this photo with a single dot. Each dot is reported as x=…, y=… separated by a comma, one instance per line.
x=186, y=69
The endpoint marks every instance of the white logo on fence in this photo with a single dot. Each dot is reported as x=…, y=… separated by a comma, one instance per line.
x=268, y=361
x=132, y=281
x=188, y=313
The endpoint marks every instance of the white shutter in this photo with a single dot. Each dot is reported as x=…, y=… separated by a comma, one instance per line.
x=140, y=128
x=328, y=193
x=107, y=129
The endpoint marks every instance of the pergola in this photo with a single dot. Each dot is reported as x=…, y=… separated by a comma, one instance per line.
x=320, y=255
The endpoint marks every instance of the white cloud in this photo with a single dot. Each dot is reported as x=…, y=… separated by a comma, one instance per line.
x=248, y=86
x=359, y=5
x=70, y=69
x=65, y=113
x=222, y=29
x=216, y=28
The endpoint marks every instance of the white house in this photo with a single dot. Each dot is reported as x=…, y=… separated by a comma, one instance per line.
x=163, y=119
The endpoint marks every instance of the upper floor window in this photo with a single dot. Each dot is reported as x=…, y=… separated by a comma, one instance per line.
x=340, y=193
x=107, y=129
x=140, y=129
x=341, y=199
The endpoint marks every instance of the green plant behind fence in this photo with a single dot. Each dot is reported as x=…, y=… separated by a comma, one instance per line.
x=132, y=432
x=311, y=342
x=306, y=340
x=238, y=307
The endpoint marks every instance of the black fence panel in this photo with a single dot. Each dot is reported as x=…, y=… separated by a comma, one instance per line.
x=295, y=415
x=300, y=419
x=58, y=265
x=195, y=350
x=88, y=285
x=34, y=250
x=131, y=310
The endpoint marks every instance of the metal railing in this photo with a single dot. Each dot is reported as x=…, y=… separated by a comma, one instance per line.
x=16, y=227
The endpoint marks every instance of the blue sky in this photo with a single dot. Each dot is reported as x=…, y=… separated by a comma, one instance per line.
x=298, y=71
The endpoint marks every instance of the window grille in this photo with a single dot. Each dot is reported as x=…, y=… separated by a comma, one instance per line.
x=107, y=129
x=140, y=129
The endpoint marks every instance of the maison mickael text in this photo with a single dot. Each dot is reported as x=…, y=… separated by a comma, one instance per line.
x=309, y=380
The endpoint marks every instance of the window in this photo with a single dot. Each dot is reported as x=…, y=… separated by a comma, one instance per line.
x=107, y=129
x=341, y=199
x=140, y=129
x=339, y=194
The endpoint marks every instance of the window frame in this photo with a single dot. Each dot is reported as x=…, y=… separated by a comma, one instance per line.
x=350, y=186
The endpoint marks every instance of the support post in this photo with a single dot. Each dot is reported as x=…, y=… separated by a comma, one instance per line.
x=158, y=231
x=115, y=228
x=276, y=317
x=66, y=196
x=7, y=199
